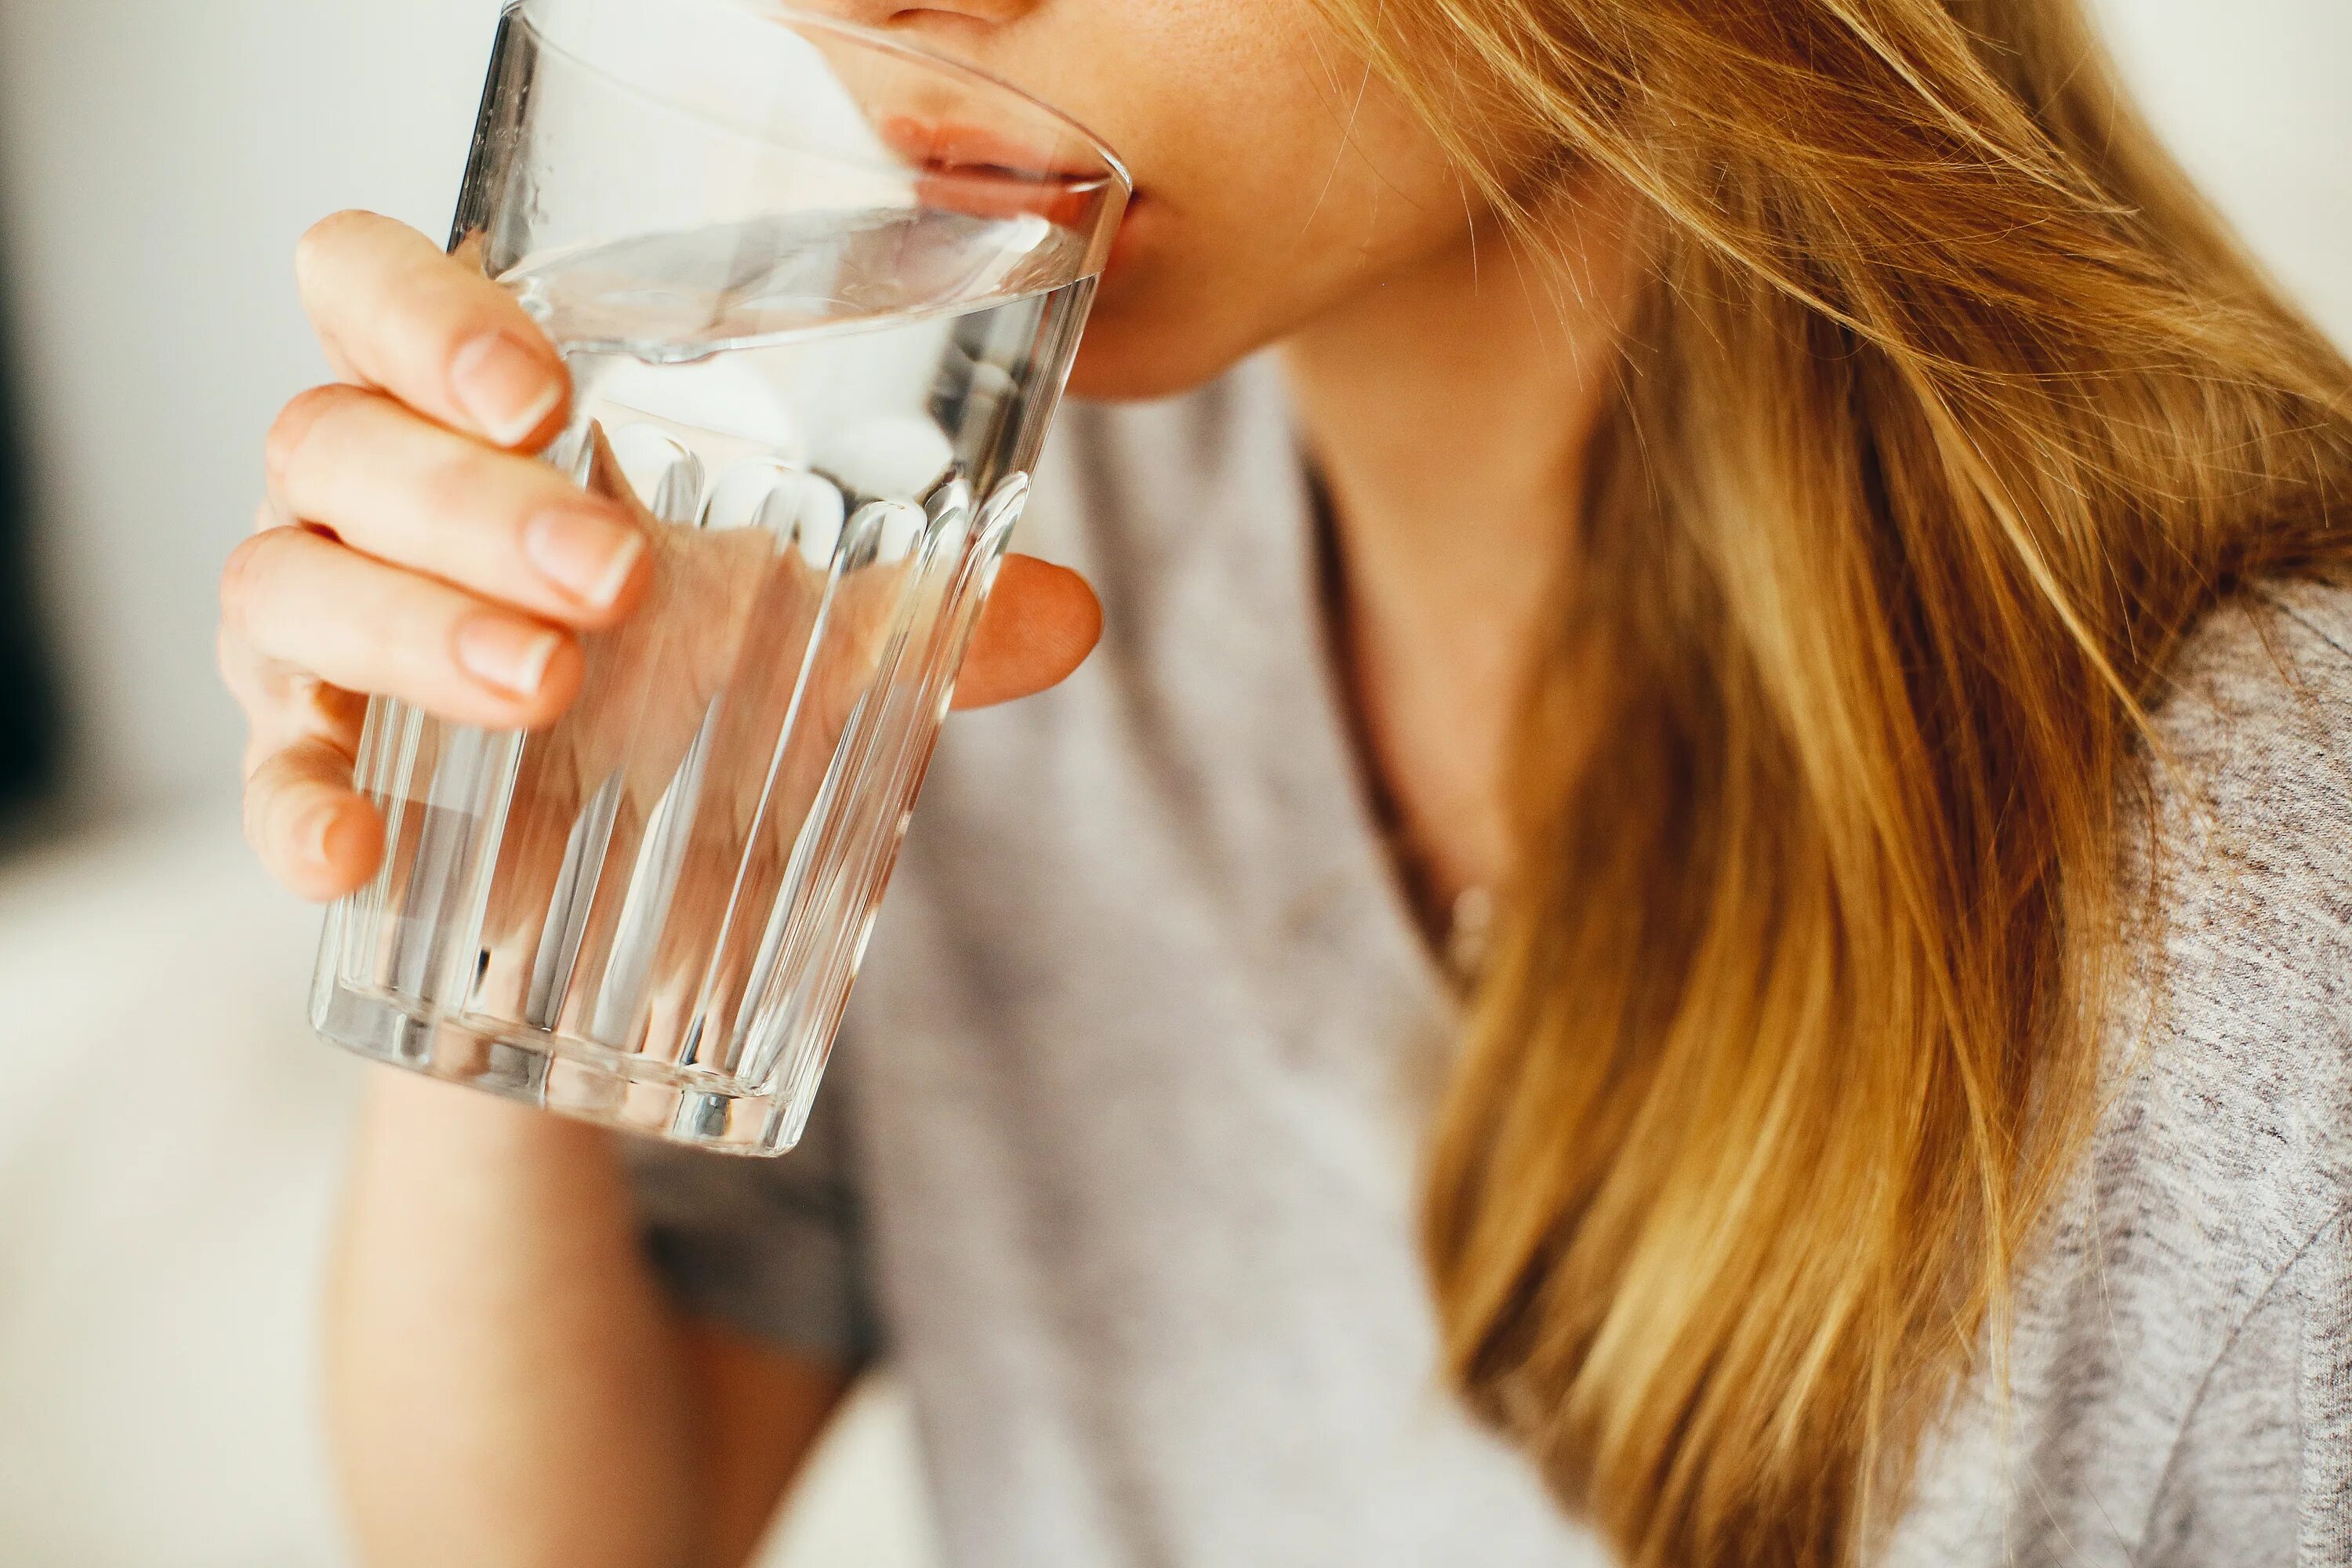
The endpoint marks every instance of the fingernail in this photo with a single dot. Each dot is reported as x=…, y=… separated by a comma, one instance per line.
x=506, y=655
x=587, y=555
x=316, y=830
x=505, y=388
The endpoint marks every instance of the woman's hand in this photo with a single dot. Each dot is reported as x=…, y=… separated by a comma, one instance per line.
x=413, y=546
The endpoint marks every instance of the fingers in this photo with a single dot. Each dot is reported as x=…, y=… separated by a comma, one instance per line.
x=1041, y=623
x=396, y=314
x=293, y=597
x=313, y=833
x=401, y=490
x=283, y=704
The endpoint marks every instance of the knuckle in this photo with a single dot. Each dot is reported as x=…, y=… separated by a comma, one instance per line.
x=448, y=484
x=252, y=582
x=323, y=241
x=228, y=657
x=260, y=795
x=324, y=234
x=239, y=576
x=296, y=423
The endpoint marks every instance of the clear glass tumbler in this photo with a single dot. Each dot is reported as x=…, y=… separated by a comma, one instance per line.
x=818, y=292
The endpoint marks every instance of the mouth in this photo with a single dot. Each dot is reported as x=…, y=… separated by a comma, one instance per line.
x=987, y=172
x=947, y=145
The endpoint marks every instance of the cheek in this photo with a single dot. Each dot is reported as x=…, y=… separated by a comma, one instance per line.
x=1276, y=182
x=1223, y=268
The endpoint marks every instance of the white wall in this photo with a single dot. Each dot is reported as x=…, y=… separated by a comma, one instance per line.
x=158, y=157
x=2256, y=98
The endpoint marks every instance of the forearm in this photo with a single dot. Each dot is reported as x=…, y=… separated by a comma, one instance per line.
x=507, y=1383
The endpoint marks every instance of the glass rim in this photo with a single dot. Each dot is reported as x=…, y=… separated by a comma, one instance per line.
x=1113, y=168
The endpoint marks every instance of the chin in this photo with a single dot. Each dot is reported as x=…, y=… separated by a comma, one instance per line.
x=1131, y=353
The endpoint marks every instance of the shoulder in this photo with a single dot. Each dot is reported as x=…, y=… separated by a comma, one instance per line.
x=2259, y=697
x=2157, y=1348
x=2249, y=776
x=2243, y=967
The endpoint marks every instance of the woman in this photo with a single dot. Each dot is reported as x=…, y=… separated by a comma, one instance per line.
x=1794, y=506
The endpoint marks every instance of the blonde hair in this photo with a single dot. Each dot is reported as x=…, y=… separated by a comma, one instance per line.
x=1949, y=410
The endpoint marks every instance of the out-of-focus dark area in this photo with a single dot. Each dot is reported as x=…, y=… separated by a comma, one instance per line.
x=28, y=699
x=169, y=1133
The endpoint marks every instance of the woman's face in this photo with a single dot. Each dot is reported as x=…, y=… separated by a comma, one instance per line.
x=1273, y=177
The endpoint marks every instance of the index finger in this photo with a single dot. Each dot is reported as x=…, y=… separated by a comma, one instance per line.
x=399, y=315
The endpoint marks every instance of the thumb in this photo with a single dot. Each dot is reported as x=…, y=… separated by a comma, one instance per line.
x=1041, y=621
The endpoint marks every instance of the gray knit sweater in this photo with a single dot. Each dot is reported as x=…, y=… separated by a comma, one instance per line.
x=2182, y=1393
x=1118, y=1158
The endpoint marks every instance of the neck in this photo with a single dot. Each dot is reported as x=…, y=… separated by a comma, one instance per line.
x=1449, y=409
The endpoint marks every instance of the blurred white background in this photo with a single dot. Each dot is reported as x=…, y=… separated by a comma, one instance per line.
x=157, y=160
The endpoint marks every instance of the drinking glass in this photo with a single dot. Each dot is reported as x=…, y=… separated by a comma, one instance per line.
x=818, y=292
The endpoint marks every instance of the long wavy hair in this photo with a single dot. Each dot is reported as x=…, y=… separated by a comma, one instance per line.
x=1948, y=410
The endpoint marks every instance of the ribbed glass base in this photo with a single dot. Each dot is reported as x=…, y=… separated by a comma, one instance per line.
x=584, y=1081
